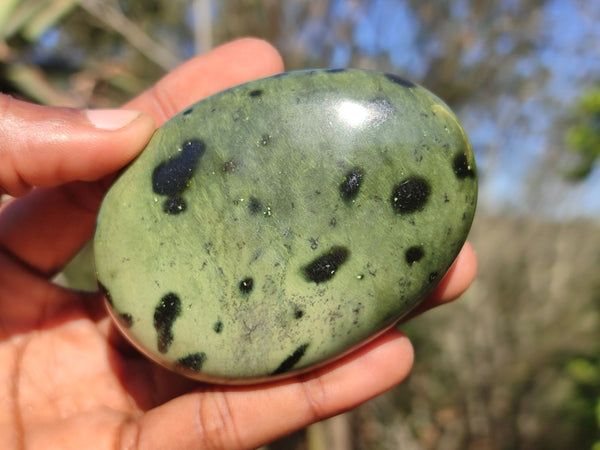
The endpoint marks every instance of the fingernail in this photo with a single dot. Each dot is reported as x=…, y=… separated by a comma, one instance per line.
x=111, y=119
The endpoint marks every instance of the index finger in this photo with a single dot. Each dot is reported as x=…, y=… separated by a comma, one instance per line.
x=224, y=67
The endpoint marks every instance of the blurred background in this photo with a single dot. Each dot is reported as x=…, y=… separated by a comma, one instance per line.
x=515, y=364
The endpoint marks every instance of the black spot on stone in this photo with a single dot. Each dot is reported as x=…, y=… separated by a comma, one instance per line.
x=188, y=111
x=291, y=360
x=350, y=184
x=246, y=285
x=325, y=266
x=410, y=195
x=414, y=254
x=105, y=292
x=193, y=361
x=174, y=205
x=229, y=166
x=218, y=326
x=298, y=314
x=433, y=277
x=165, y=313
x=462, y=168
x=256, y=93
x=265, y=139
x=126, y=319
x=399, y=80
x=171, y=178
x=254, y=205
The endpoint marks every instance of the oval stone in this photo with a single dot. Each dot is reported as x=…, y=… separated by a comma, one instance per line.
x=277, y=225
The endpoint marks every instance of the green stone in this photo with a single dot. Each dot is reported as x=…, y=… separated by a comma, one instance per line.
x=279, y=224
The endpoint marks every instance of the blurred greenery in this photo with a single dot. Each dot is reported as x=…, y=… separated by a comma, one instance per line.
x=584, y=136
x=583, y=406
x=516, y=362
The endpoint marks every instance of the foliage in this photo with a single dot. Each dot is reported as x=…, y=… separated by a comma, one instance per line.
x=584, y=136
x=83, y=52
x=584, y=403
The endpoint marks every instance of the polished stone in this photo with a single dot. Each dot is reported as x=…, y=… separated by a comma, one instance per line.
x=277, y=225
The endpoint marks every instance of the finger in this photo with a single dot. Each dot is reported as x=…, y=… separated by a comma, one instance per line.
x=47, y=146
x=456, y=281
x=46, y=228
x=226, y=66
x=248, y=417
x=27, y=302
x=458, y=278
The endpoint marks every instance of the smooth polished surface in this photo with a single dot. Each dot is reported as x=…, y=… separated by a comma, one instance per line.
x=279, y=224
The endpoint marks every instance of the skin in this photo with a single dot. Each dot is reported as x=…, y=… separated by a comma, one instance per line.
x=67, y=378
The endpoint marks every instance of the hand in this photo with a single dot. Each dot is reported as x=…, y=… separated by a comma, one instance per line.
x=68, y=380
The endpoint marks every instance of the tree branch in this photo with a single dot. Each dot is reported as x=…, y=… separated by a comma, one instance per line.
x=116, y=20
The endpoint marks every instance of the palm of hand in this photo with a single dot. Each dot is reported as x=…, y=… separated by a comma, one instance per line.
x=68, y=378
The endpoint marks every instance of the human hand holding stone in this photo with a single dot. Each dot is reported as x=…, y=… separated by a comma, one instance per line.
x=68, y=379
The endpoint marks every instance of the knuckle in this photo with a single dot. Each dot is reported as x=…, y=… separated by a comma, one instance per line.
x=164, y=105
x=315, y=396
x=217, y=427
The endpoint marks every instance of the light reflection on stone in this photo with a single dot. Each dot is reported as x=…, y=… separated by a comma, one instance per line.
x=360, y=115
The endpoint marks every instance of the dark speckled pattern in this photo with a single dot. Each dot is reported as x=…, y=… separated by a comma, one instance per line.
x=274, y=226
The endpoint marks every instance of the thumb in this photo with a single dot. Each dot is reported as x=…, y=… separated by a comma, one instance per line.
x=46, y=146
